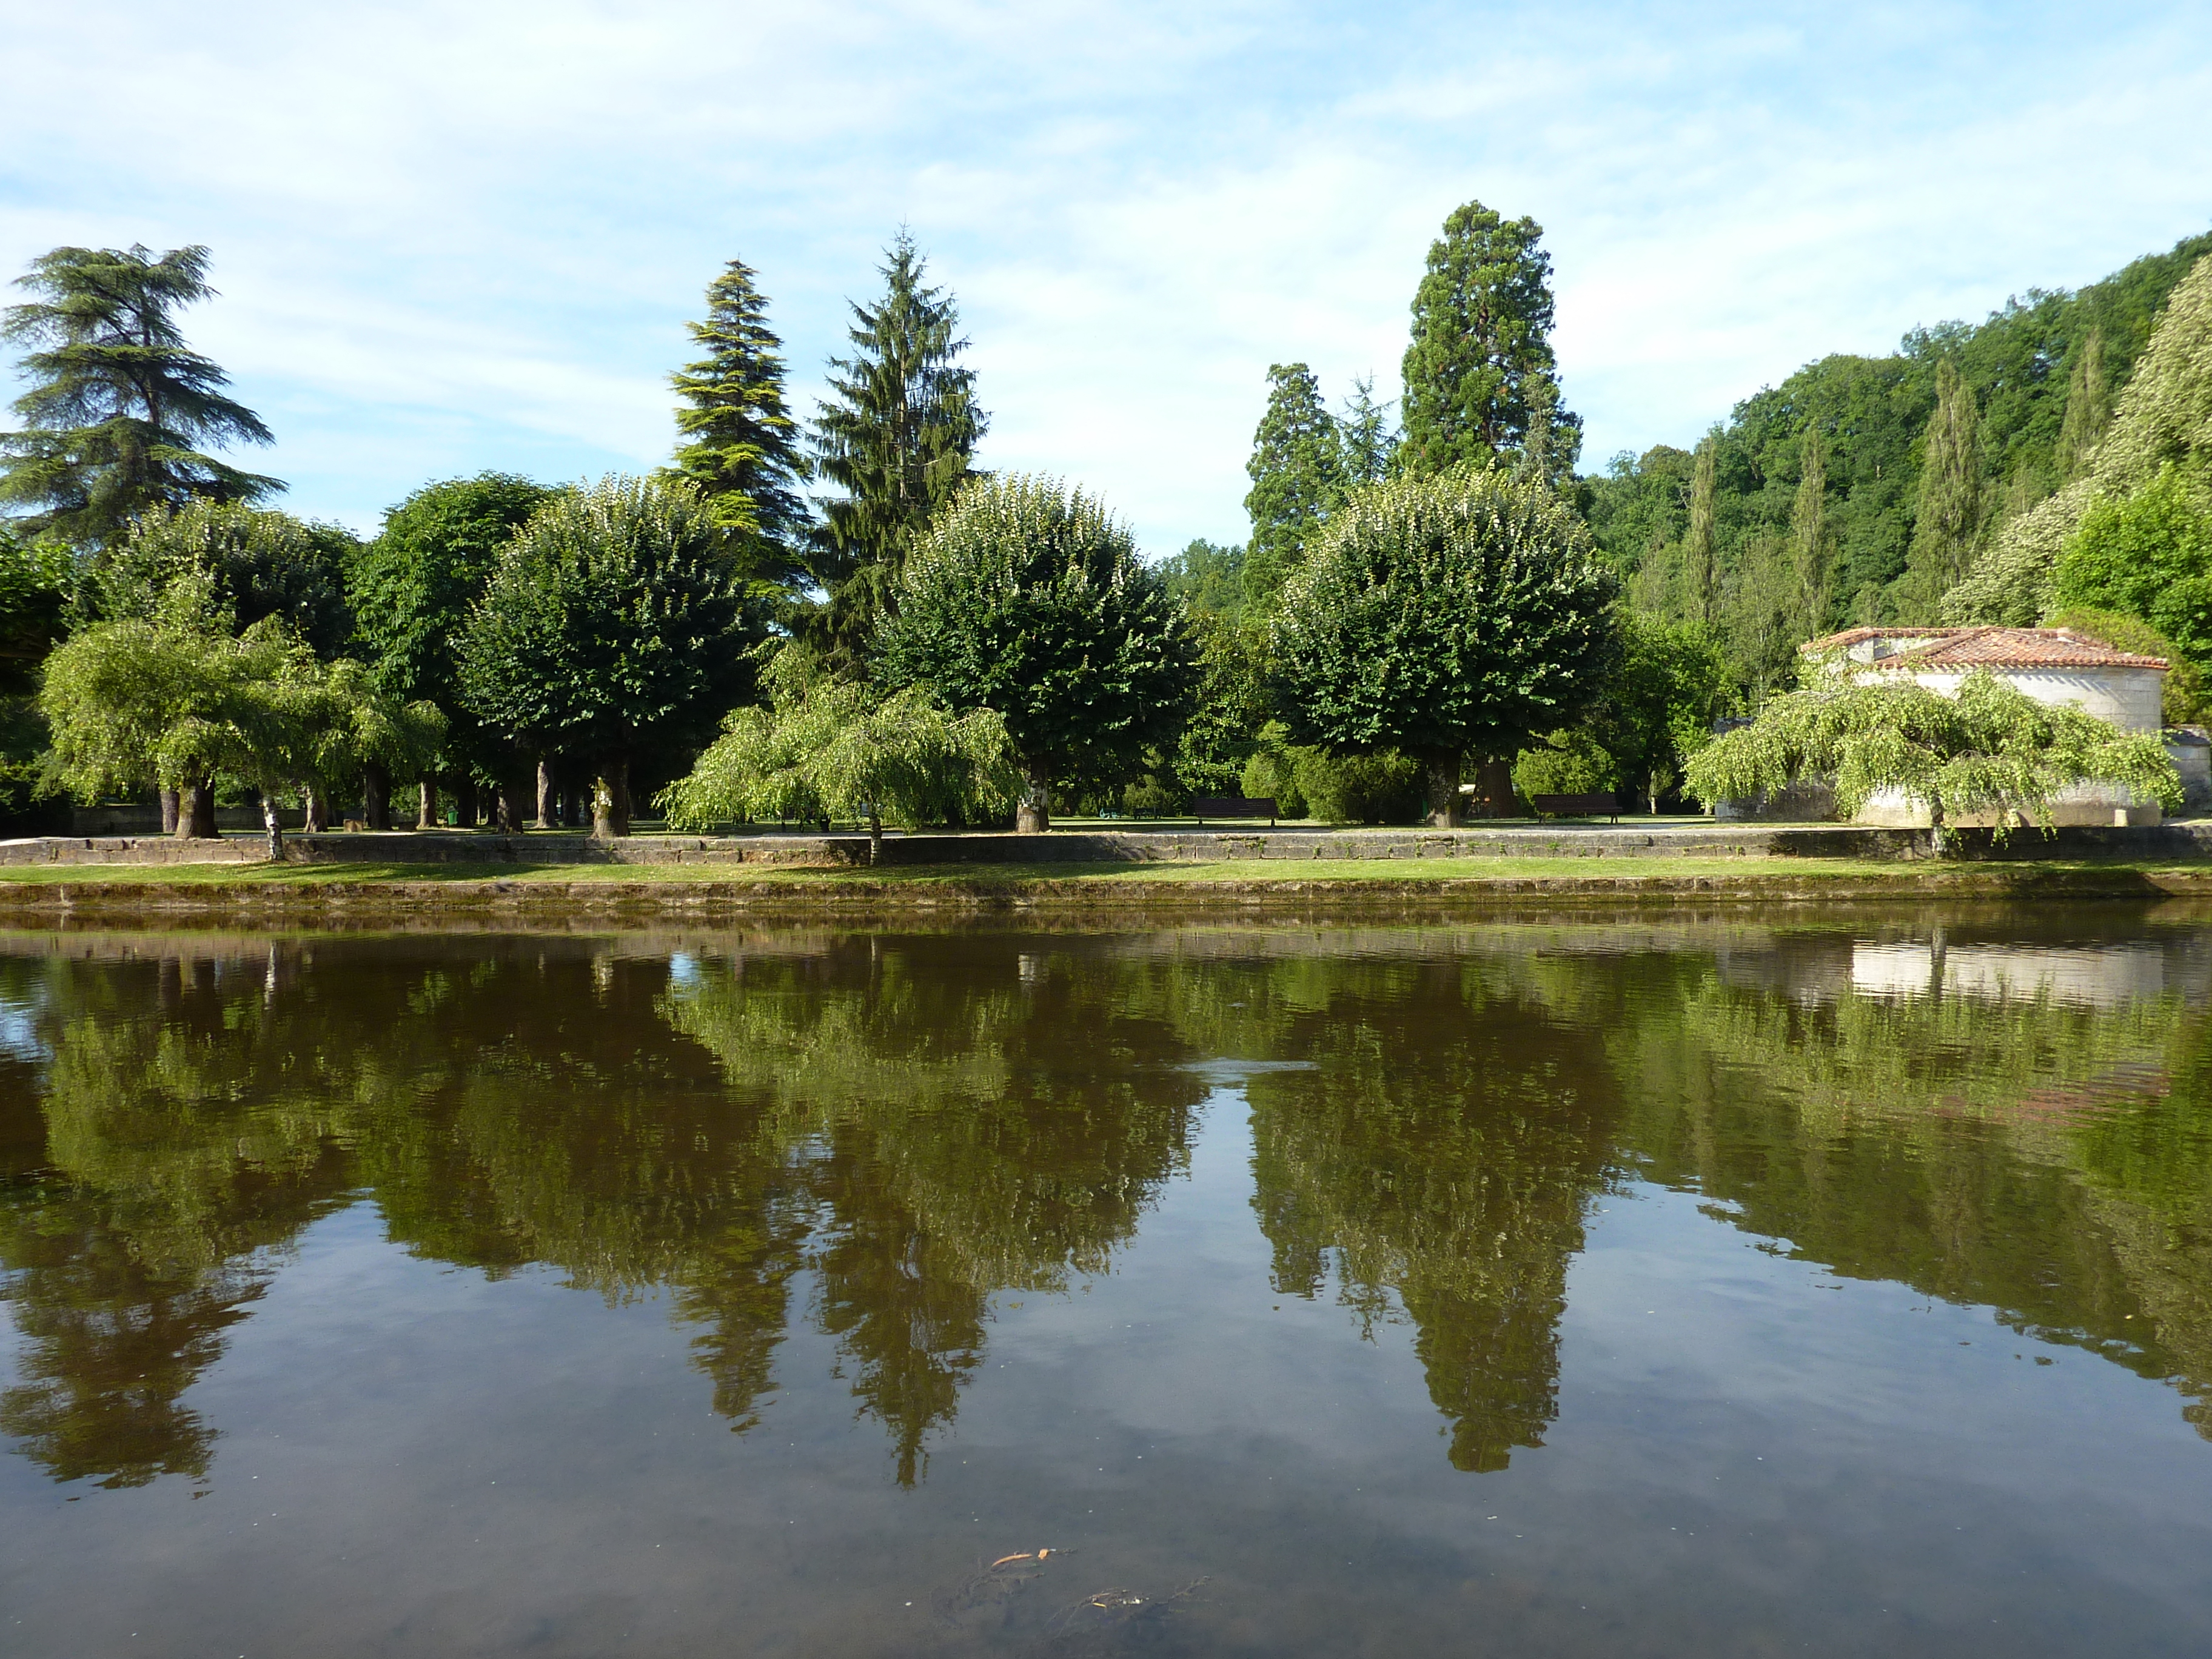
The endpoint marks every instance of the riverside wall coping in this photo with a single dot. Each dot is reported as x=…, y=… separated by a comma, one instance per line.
x=2185, y=840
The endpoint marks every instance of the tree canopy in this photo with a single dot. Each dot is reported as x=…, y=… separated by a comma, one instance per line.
x=120, y=410
x=1991, y=749
x=1028, y=598
x=613, y=623
x=895, y=433
x=739, y=444
x=1479, y=369
x=1445, y=617
x=263, y=563
x=1297, y=473
x=827, y=748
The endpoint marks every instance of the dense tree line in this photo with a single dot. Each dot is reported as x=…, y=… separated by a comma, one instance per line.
x=843, y=616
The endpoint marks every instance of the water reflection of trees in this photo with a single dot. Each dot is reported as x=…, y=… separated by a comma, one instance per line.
x=908, y=1128
x=917, y=1142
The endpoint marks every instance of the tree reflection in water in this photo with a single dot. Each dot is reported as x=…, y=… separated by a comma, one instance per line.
x=912, y=1126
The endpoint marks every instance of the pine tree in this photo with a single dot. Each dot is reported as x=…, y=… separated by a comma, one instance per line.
x=1368, y=438
x=1700, y=574
x=1482, y=345
x=119, y=405
x=896, y=434
x=2089, y=404
x=742, y=450
x=1296, y=470
x=1808, y=533
x=1949, y=519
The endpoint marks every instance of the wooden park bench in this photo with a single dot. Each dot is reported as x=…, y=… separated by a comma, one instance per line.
x=1234, y=806
x=1578, y=807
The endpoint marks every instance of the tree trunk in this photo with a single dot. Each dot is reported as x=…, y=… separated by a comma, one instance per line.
x=272, y=822
x=317, y=818
x=168, y=811
x=196, y=811
x=610, y=801
x=506, y=808
x=875, y=836
x=1493, y=789
x=376, y=796
x=549, y=798
x=464, y=801
x=426, y=805
x=1034, y=816
x=1445, y=811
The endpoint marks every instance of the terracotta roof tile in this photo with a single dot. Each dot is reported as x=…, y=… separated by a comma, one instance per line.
x=1984, y=647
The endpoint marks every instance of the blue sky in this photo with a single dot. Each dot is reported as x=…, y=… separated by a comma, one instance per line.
x=456, y=237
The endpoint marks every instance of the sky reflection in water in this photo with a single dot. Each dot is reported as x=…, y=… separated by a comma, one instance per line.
x=1619, y=1286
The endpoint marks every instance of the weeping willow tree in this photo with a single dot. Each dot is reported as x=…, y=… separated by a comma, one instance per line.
x=829, y=749
x=1989, y=751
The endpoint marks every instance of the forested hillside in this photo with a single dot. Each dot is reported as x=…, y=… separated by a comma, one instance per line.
x=2044, y=374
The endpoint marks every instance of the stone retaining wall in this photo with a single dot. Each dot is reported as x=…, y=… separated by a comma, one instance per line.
x=2191, y=840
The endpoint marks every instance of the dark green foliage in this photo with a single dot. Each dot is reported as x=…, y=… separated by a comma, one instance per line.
x=1671, y=683
x=1026, y=598
x=1480, y=363
x=118, y=407
x=2149, y=554
x=1230, y=709
x=1946, y=519
x=740, y=445
x=414, y=588
x=1207, y=578
x=263, y=564
x=36, y=579
x=896, y=434
x=1367, y=437
x=1384, y=788
x=1444, y=618
x=1297, y=474
x=1873, y=413
x=614, y=629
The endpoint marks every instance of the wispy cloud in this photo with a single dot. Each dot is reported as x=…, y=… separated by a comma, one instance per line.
x=450, y=238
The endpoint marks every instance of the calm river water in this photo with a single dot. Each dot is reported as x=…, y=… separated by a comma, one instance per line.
x=1635, y=1285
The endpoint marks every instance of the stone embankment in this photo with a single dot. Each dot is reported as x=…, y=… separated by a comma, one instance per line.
x=2188, y=840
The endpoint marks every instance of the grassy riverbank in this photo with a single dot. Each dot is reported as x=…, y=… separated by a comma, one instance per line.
x=585, y=888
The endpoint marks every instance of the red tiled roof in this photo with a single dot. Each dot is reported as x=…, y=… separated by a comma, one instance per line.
x=1983, y=648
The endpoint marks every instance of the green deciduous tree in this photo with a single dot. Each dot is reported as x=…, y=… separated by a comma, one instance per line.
x=174, y=696
x=1672, y=681
x=1480, y=361
x=895, y=433
x=413, y=590
x=1445, y=617
x=1991, y=749
x=1028, y=598
x=1297, y=473
x=1810, y=536
x=1700, y=551
x=119, y=409
x=613, y=623
x=1230, y=708
x=38, y=576
x=2149, y=554
x=1208, y=578
x=740, y=444
x=837, y=748
x=263, y=564
x=2088, y=404
x=1947, y=524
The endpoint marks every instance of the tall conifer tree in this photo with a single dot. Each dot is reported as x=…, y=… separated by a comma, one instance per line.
x=741, y=445
x=1369, y=437
x=896, y=434
x=119, y=408
x=1949, y=519
x=1296, y=470
x=1700, y=574
x=1482, y=345
x=1809, y=532
x=2089, y=404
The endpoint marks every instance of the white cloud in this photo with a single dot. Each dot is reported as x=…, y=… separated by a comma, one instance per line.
x=450, y=238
